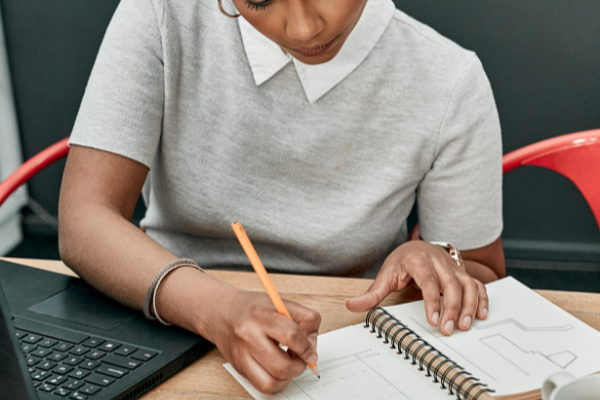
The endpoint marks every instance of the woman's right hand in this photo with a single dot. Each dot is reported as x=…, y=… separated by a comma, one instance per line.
x=247, y=329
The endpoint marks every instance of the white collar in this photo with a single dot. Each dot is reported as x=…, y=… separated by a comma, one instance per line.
x=266, y=58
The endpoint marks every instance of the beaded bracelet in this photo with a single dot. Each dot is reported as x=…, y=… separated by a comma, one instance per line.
x=151, y=295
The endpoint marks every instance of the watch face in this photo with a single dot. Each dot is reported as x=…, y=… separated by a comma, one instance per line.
x=452, y=250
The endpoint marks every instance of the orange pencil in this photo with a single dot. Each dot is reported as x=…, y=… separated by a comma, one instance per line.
x=264, y=278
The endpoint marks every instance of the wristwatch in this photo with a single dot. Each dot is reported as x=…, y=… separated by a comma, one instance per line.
x=452, y=250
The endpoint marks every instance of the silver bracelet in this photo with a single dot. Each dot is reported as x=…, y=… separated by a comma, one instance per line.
x=150, y=300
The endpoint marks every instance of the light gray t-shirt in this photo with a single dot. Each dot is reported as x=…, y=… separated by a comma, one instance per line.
x=320, y=188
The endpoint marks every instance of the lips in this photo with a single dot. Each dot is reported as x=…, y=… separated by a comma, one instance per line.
x=314, y=51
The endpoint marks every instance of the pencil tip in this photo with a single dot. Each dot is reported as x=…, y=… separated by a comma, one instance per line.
x=315, y=370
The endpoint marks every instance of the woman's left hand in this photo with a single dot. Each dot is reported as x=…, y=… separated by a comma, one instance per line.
x=435, y=273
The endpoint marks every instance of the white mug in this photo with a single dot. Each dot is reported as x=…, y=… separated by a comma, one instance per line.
x=564, y=386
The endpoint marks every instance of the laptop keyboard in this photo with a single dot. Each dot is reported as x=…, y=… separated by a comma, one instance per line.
x=79, y=371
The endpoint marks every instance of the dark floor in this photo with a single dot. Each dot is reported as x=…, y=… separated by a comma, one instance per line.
x=576, y=276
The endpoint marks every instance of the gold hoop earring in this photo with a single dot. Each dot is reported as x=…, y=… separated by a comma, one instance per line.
x=226, y=13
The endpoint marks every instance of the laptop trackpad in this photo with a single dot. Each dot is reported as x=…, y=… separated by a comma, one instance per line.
x=86, y=307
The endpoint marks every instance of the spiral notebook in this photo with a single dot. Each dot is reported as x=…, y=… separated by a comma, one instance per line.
x=396, y=354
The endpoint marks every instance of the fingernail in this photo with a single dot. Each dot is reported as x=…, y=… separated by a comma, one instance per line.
x=312, y=338
x=449, y=327
x=467, y=321
x=485, y=311
x=436, y=318
x=313, y=358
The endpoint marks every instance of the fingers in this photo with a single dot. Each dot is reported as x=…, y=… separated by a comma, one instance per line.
x=484, y=302
x=280, y=365
x=255, y=352
x=470, y=299
x=421, y=268
x=285, y=331
x=464, y=298
x=434, y=271
x=307, y=319
x=261, y=379
x=389, y=279
x=373, y=296
x=452, y=301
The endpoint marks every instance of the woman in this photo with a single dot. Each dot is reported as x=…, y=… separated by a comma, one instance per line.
x=316, y=124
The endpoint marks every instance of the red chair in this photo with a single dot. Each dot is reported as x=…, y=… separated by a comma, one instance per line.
x=32, y=167
x=576, y=156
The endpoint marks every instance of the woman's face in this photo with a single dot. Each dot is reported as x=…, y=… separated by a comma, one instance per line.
x=313, y=31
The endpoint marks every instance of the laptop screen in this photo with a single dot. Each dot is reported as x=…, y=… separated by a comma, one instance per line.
x=15, y=382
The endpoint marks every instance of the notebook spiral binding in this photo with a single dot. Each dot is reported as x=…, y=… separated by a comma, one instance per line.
x=467, y=388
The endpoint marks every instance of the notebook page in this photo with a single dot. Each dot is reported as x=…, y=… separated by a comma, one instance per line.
x=524, y=339
x=353, y=365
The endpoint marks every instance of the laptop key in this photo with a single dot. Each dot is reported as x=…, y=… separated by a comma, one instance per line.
x=46, y=387
x=110, y=370
x=46, y=365
x=95, y=355
x=31, y=370
x=41, y=375
x=36, y=384
x=51, y=331
x=62, y=369
x=19, y=333
x=73, y=360
x=79, y=350
x=32, y=360
x=26, y=348
x=144, y=355
x=109, y=346
x=41, y=352
x=62, y=346
x=62, y=392
x=93, y=342
x=58, y=356
x=47, y=343
x=73, y=384
x=100, y=380
x=79, y=373
x=89, y=364
x=126, y=350
x=57, y=380
x=90, y=389
x=78, y=396
x=121, y=361
x=31, y=338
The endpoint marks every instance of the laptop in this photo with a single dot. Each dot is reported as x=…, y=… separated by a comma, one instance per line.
x=61, y=339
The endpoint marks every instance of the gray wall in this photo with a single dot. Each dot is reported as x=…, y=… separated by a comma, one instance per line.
x=542, y=58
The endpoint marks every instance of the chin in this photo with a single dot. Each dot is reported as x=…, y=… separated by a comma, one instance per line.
x=320, y=59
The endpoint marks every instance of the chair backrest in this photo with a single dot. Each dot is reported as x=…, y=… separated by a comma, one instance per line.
x=576, y=156
x=31, y=168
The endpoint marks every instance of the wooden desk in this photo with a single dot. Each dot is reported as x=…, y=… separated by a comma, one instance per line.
x=206, y=379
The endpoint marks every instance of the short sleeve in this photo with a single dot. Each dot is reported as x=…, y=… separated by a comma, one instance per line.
x=122, y=108
x=460, y=197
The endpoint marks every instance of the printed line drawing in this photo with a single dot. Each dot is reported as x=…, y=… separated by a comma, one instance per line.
x=479, y=326
x=439, y=336
x=350, y=377
x=517, y=356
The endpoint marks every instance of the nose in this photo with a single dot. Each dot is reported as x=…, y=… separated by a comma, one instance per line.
x=304, y=21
